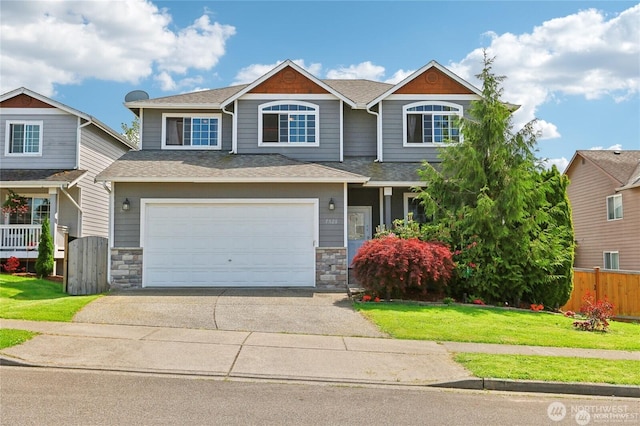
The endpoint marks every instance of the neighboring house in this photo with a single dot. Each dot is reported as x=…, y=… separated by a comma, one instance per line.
x=50, y=154
x=277, y=182
x=604, y=191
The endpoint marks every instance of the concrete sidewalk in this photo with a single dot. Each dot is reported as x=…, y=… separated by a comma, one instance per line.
x=278, y=356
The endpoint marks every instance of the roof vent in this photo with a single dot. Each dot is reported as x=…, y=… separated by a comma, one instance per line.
x=136, y=95
x=616, y=152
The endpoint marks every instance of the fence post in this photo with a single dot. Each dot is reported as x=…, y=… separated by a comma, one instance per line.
x=65, y=262
x=596, y=288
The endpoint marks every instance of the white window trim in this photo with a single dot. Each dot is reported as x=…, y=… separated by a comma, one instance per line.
x=7, y=138
x=32, y=196
x=190, y=115
x=291, y=144
x=406, y=197
x=415, y=104
x=604, y=261
x=613, y=197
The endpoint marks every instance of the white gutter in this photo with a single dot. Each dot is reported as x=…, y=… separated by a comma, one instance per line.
x=106, y=188
x=378, y=131
x=234, y=128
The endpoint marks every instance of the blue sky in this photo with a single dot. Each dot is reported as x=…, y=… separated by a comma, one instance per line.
x=573, y=65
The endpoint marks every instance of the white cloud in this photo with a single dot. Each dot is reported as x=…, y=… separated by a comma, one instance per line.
x=398, y=76
x=585, y=54
x=366, y=70
x=616, y=147
x=560, y=163
x=252, y=72
x=58, y=42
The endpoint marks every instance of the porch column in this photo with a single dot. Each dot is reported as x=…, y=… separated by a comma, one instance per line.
x=388, y=191
x=53, y=212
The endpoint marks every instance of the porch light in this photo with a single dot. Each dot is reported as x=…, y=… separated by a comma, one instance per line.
x=126, y=205
x=332, y=204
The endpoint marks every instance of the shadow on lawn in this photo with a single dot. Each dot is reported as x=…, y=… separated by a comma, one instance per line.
x=470, y=310
x=34, y=289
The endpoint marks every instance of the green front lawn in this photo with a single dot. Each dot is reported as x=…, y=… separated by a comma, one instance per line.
x=565, y=369
x=29, y=298
x=494, y=325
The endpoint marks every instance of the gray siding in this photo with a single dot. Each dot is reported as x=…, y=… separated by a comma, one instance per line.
x=392, y=135
x=152, y=127
x=59, y=137
x=360, y=133
x=97, y=152
x=127, y=224
x=68, y=214
x=328, y=150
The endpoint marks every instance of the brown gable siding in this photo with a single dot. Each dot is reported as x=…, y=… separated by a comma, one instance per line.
x=433, y=82
x=24, y=101
x=288, y=80
x=588, y=192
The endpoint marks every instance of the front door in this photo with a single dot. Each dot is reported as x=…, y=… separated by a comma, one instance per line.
x=358, y=228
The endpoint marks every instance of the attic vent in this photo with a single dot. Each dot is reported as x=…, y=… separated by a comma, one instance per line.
x=616, y=152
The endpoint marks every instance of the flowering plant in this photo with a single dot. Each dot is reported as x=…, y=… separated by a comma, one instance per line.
x=15, y=204
x=536, y=308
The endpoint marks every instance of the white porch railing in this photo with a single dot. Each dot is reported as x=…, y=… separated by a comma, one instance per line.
x=19, y=237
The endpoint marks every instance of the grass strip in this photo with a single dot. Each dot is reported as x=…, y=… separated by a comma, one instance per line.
x=456, y=323
x=551, y=368
x=11, y=337
x=28, y=298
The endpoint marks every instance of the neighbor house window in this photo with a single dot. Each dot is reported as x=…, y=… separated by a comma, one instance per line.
x=428, y=123
x=39, y=208
x=611, y=260
x=291, y=123
x=614, y=207
x=23, y=138
x=414, y=208
x=181, y=131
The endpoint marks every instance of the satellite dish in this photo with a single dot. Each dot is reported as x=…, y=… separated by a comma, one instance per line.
x=136, y=95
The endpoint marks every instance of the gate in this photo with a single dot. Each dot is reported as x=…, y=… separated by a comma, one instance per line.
x=87, y=266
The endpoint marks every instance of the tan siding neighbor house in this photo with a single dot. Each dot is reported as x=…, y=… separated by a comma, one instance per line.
x=604, y=191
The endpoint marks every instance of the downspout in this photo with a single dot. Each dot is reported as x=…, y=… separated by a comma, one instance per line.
x=378, y=132
x=234, y=128
x=64, y=191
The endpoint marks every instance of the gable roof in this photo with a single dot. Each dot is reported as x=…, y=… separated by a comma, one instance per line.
x=67, y=109
x=433, y=64
x=621, y=165
x=217, y=166
x=296, y=68
x=357, y=93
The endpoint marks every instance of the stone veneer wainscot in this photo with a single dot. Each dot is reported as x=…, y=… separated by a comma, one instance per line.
x=126, y=267
x=331, y=268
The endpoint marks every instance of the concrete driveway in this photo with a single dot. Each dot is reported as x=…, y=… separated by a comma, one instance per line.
x=262, y=310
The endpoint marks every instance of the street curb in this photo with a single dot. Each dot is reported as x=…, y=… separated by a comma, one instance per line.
x=15, y=363
x=533, y=386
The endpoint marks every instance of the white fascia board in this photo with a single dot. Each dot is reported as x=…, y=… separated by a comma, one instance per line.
x=33, y=184
x=258, y=179
x=172, y=105
x=380, y=184
x=403, y=97
x=42, y=98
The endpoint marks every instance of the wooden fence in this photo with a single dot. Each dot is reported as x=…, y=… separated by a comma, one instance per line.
x=622, y=288
x=87, y=266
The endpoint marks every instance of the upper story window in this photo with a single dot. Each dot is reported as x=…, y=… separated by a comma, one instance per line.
x=430, y=123
x=186, y=131
x=614, y=207
x=290, y=123
x=23, y=138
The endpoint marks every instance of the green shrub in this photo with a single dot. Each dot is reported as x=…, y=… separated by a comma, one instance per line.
x=44, y=264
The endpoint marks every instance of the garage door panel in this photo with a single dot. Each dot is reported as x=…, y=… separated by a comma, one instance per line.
x=234, y=244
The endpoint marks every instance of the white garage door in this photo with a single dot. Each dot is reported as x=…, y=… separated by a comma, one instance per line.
x=229, y=243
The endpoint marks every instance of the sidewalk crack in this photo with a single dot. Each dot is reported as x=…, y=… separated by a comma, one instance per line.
x=235, y=359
